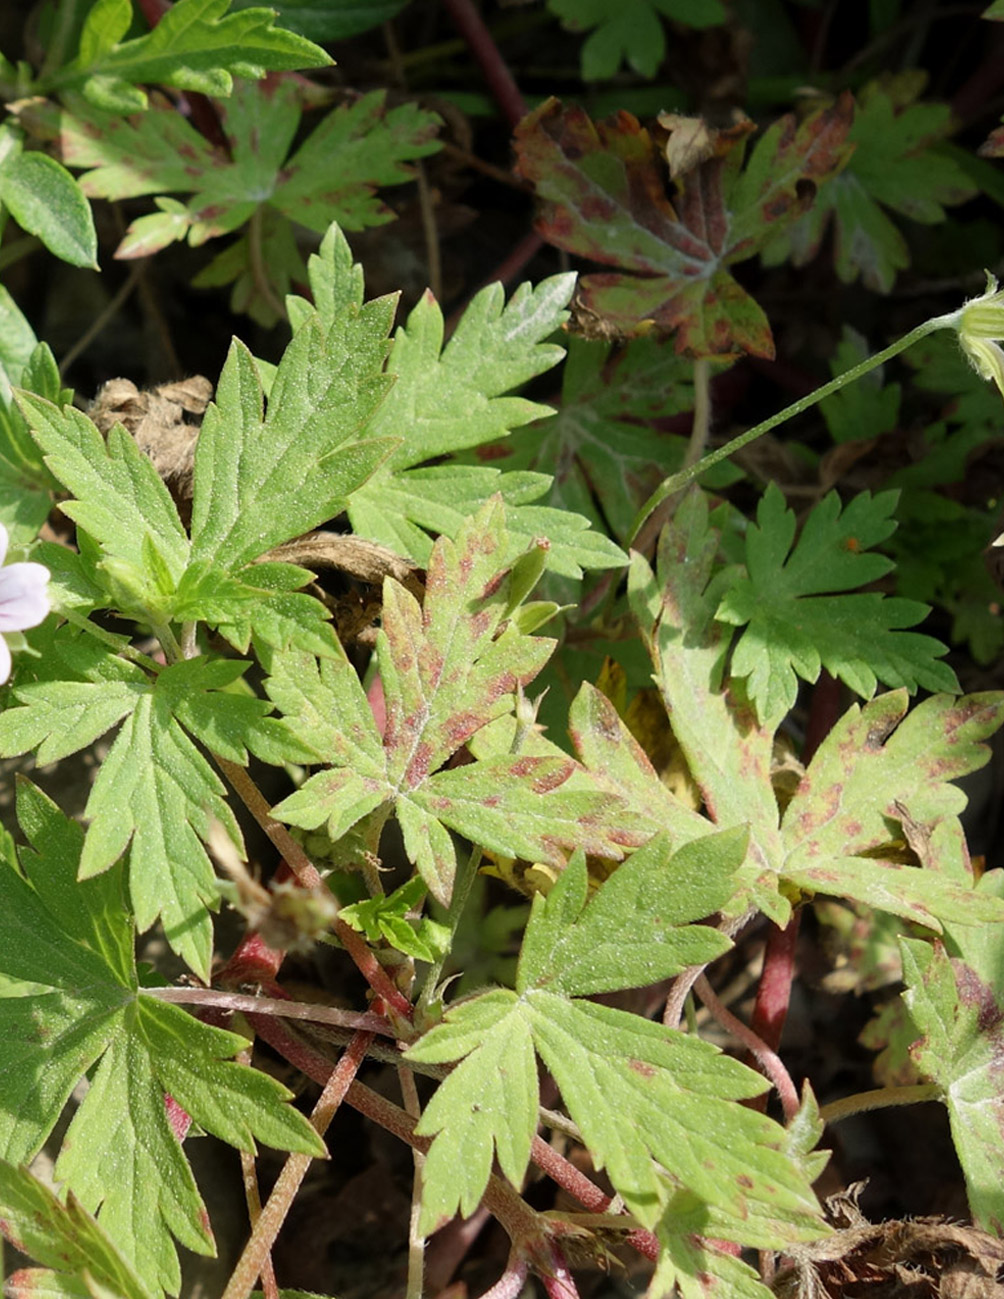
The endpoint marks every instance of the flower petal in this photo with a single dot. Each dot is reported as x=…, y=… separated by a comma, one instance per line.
x=24, y=601
x=5, y=663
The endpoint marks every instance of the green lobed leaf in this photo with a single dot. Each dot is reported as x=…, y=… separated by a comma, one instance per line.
x=74, y=940
x=448, y=668
x=155, y=793
x=639, y=1092
x=634, y=931
x=356, y=148
x=793, y=629
x=636, y=1090
x=629, y=30
x=448, y=400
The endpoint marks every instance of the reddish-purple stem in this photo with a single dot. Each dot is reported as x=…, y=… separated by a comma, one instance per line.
x=511, y=1282
x=482, y=45
x=553, y=1271
x=774, y=993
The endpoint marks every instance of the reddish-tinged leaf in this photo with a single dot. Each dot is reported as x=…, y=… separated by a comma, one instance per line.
x=450, y=667
x=879, y=767
x=603, y=187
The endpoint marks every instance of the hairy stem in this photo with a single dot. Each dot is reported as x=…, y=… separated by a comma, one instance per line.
x=677, y=482
x=769, y=1061
x=879, y=1099
x=274, y=1213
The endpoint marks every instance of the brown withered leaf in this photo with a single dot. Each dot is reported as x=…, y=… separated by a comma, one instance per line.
x=164, y=421
x=603, y=192
x=916, y=1258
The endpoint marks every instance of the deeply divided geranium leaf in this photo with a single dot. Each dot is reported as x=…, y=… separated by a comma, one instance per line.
x=73, y=941
x=638, y=1091
x=155, y=793
x=958, y=1015
x=880, y=766
x=334, y=175
x=63, y=1236
x=605, y=197
x=196, y=45
x=447, y=400
x=796, y=623
x=895, y=164
x=448, y=669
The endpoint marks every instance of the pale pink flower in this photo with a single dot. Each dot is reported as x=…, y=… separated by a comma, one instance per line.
x=23, y=600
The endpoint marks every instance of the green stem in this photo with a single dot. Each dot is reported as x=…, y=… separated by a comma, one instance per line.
x=462, y=884
x=676, y=482
x=879, y=1099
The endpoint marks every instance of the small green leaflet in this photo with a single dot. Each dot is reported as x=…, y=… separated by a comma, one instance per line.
x=961, y=1048
x=895, y=164
x=637, y=1091
x=448, y=400
x=630, y=30
x=45, y=200
x=196, y=45
x=448, y=669
x=74, y=941
x=604, y=197
x=385, y=917
x=65, y=1238
x=155, y=793
x=795, y=624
